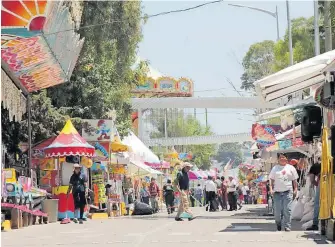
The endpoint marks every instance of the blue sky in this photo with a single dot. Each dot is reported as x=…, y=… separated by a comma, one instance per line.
x=208, y=45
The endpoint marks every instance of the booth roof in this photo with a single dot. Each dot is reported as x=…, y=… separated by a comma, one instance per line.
x=294, y=78
x=69, y=142
x=140, y=149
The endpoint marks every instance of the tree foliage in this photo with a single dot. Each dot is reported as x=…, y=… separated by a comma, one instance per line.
x=230, y=151
x=180, y=125
x=267, y=57
x=104, y=76
x=257, y=63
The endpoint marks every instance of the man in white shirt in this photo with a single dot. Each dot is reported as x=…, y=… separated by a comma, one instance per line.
x=283, y=186
x=211, y=190
x=231, y=189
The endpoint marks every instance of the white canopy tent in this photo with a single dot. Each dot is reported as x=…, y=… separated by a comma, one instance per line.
x=294, y=78
x=137, y=167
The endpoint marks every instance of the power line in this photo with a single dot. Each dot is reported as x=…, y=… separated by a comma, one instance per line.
x=146, y=17
x=184, y=10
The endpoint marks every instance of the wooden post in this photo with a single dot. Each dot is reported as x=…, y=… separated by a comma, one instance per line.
x=29, y=136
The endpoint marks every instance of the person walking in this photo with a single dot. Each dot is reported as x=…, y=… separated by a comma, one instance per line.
x=78, y=185
x=211, y=190
x=169, y=196
x=183, y=182
x=192, y=199
x=246, y=192
x=224, y=193
x=240, y=197
x=154, y=193
x=144, y=193
x=231, y=189
x=314, y=174
x=283, y=187
x=198, y=194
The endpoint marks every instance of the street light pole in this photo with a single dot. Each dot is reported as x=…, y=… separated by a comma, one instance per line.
x=316, y=28
x=289, y=32
x=277, y=20
x=273, y=14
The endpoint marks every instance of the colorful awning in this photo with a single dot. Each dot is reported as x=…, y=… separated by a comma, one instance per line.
x=69, y=142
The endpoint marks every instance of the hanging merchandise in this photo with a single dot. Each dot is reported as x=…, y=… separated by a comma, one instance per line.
x=98, y=184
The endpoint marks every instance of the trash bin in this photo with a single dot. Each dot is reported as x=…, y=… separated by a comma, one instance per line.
x=50, y=206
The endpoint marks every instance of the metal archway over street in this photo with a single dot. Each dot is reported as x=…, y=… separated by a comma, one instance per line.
x=198, y=140
x=202, y=102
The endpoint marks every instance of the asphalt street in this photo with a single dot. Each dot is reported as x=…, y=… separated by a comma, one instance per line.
x=247, y=227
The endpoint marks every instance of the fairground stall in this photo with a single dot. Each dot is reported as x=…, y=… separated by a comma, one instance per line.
x=67, y=149
x=314, y=74
x=29, y=31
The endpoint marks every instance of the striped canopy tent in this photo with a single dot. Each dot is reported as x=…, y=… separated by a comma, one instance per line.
x=194, y=175
x=69, y=142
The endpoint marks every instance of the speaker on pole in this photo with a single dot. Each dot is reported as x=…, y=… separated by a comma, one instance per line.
x=311, y=123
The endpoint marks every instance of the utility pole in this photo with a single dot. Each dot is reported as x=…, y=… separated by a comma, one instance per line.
x=289, y=32
x=328, y=26
x=206, y=117
x=316, y=28
x=165, y=123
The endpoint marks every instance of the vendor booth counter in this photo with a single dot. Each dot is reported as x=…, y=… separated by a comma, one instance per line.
x=65, y=203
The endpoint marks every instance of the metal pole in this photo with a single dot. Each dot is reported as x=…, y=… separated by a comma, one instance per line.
x=29, y=135
x=165, y=123
x=328, y=23
x=289, y=32
x=277, y=20
x=316, y=28
x=206, y=118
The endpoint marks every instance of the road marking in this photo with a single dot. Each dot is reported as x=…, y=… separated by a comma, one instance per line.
x=180, y=234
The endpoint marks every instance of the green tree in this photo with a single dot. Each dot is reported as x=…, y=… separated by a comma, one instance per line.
x=230, y=151
x=321, y=23
x=267, y=57
x=104, y=75
x=302, y=43
x=257, y=63
x=180, y=125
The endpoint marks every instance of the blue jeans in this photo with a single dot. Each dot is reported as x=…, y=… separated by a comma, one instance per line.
x=282, y=207
x=316, y=206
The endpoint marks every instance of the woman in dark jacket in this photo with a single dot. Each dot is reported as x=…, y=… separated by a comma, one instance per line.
x=169, y=196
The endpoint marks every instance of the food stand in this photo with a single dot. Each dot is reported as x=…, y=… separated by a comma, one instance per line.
x=72, y=146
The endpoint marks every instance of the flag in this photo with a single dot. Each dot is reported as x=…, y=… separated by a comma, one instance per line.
x=229, y=165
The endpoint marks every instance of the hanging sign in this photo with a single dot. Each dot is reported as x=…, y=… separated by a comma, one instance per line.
x=263, y=134
x=319, y=98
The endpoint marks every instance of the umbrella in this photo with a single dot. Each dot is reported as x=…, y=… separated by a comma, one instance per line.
x=69, y=142
x=117, y=145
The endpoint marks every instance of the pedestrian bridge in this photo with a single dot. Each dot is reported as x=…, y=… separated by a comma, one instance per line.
x=198, y=140
x=202, y=102
x=141, y=104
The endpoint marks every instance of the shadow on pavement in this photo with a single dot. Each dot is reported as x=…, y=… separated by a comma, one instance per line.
x=317, y=238
x=258, y=227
